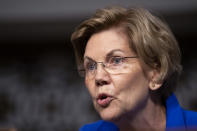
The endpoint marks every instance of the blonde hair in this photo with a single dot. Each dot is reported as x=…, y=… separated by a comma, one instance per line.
x=149, y=37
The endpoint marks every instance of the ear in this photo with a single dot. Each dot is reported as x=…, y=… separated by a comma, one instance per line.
x=155, y=82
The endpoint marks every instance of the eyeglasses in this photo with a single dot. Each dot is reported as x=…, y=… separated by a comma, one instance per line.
x=113, y=65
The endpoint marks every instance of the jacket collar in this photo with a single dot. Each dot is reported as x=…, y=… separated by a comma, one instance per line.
x=174, y=114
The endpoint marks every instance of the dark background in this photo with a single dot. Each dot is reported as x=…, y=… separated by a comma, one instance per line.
x=39, y=85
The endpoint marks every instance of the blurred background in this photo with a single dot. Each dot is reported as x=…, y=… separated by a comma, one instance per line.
x=40, y=89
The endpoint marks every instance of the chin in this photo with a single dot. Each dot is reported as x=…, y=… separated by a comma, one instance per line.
x=109, y=113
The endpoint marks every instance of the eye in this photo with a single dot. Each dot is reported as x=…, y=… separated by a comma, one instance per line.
x=90, y=66
x=116, y=60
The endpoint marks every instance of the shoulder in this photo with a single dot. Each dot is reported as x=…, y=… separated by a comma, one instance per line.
x=177, y=117
x=92, y=126
x=99, y=126
x=190, y=117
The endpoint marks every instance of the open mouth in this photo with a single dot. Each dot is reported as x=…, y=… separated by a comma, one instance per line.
x=102, y=96
x=104, y=100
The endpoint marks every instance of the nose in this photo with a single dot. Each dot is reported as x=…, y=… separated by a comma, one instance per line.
x=102, y=77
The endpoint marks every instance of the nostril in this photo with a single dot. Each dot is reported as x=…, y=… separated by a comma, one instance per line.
x=101, y=82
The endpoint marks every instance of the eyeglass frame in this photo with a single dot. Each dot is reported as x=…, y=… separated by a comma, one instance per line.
x=103, y=64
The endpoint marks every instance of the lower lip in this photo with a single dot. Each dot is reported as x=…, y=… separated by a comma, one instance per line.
x=104, y=102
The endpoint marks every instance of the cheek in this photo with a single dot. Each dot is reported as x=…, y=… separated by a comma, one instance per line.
x=130, y=81
x=131, y=88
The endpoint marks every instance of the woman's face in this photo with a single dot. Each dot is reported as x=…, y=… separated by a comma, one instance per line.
x=115, y=95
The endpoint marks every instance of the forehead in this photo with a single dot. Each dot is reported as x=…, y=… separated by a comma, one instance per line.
x=100, y=44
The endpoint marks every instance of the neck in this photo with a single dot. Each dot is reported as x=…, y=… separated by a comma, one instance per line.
x=152, y=117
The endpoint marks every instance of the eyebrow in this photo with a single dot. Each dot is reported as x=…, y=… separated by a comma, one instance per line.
x=111, y=53
x=86, y=57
